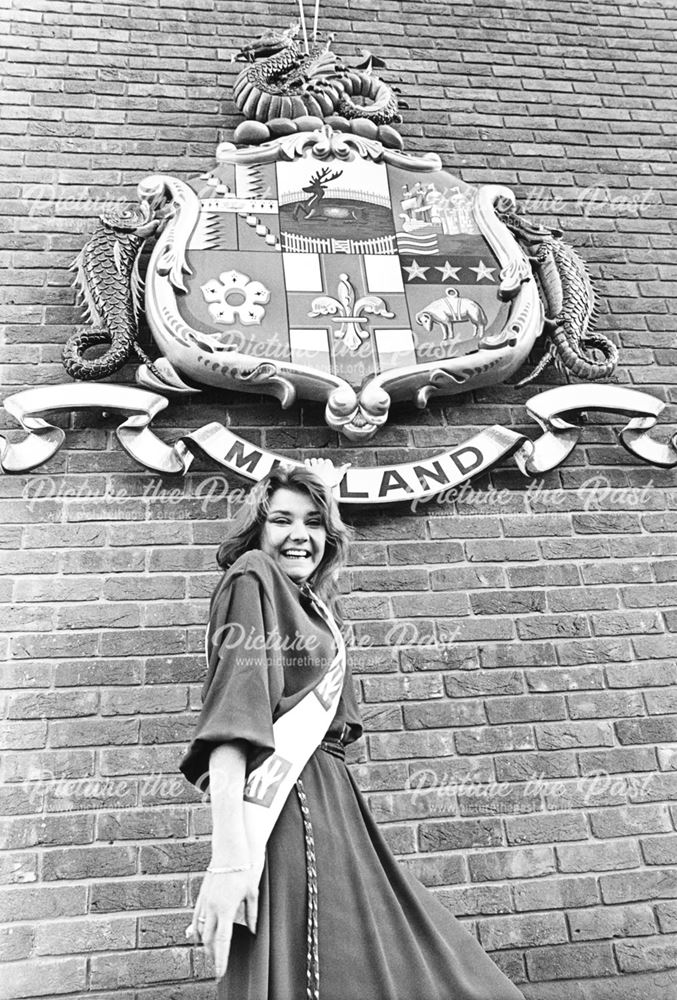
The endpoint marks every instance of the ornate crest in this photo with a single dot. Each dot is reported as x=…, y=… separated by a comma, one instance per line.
x=318, y=260
x=326, y=266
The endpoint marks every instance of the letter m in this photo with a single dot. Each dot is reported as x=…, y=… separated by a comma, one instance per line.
x=236, y=455
x=329, y=686
x=264, y=781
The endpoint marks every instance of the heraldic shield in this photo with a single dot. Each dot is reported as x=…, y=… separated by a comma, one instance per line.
x=325, y=266
x=318, y=260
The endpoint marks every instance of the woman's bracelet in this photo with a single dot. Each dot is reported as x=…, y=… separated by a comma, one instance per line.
x=227, y=871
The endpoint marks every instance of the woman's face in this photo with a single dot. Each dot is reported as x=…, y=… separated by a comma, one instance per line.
x=293, y=534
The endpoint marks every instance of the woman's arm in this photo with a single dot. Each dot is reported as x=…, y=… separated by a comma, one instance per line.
x=226, y=785
x=222, y=892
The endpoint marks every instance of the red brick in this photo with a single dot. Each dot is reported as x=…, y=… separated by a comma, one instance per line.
x=401, y=688
x=629, y=821
x=525, y=709
x=492, y=866
x=597, y=857
x=95, y=733
x=400, y=839
x=163, y=930
x=610, y=922
x=545, y=829
x=16, y=942
x=605, y=704
x=119, y=896
x=465, y=684
x=502, y=602
x=459, y=577
x=521, y=654
x=38, y=902
x=47, y=765
x=132, y=824
x=563, y=735
x=570, y=961
x=455, y=834
x=556, y=894
x=535, y=766
x=167, y=859
x=20, y=736
x=523, y=931
x=374, y=580
x=147, y=761
x=557, y=679
x=52, y=705
x=403, y=745
x=662, y=702
x=442, y=657
x=655, y=953
x=88, y=862
x=47, y=830
x=666, y=914
x=140, y=968
x=380, y=777
x=663, y=730
x=433, y=871
x=475, y=900
x=443, y=714
x=43, y=978
x=426, y=553
x=630, y=886
x=660, y=850
x=618, y=760
x=75, y=936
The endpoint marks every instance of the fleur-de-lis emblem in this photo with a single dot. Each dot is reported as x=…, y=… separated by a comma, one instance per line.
x=349, y=313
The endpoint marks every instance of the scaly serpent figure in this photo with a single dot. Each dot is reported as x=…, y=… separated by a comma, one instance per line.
x=284, y=81
x=569, y=300
x=109, y=286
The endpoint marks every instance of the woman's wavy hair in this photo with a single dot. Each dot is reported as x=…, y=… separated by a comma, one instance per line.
x=249, y=521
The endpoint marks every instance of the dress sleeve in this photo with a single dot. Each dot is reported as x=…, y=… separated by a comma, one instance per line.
x=244, y=682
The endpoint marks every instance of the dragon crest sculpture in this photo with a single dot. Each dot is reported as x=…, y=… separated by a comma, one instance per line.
x=110, y=288
x=569, y=298
x=297, y=100
x=284, y=81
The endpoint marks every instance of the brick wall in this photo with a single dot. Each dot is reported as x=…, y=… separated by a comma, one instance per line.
x=561, y=597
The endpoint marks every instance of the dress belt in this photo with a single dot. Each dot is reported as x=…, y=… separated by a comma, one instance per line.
x=335, y=747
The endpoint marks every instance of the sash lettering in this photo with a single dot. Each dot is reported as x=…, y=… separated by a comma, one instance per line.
x=265, y=780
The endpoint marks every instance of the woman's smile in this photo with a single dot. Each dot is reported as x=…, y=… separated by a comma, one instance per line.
x=293, y=534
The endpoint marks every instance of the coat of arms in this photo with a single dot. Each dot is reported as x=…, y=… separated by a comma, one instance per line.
x=319, y=260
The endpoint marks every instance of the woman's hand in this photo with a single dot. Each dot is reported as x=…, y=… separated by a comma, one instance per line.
x=222, y=892
x=327, y=471
x=217, y=904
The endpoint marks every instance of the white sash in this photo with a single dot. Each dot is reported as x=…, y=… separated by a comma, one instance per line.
x=297, y=735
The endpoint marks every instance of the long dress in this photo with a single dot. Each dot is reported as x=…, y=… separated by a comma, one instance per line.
x=381, y=935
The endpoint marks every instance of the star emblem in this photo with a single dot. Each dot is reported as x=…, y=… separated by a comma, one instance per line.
x=482, y=271
x=416, y=271
x=448, y=271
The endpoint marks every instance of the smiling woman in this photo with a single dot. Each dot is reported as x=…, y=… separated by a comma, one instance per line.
x=294, y=534
x=303, y=897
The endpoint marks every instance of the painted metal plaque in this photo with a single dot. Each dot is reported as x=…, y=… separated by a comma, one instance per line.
x=318, y=260
x=326, y=266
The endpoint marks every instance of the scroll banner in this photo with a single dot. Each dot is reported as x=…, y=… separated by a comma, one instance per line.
x=561, y=413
